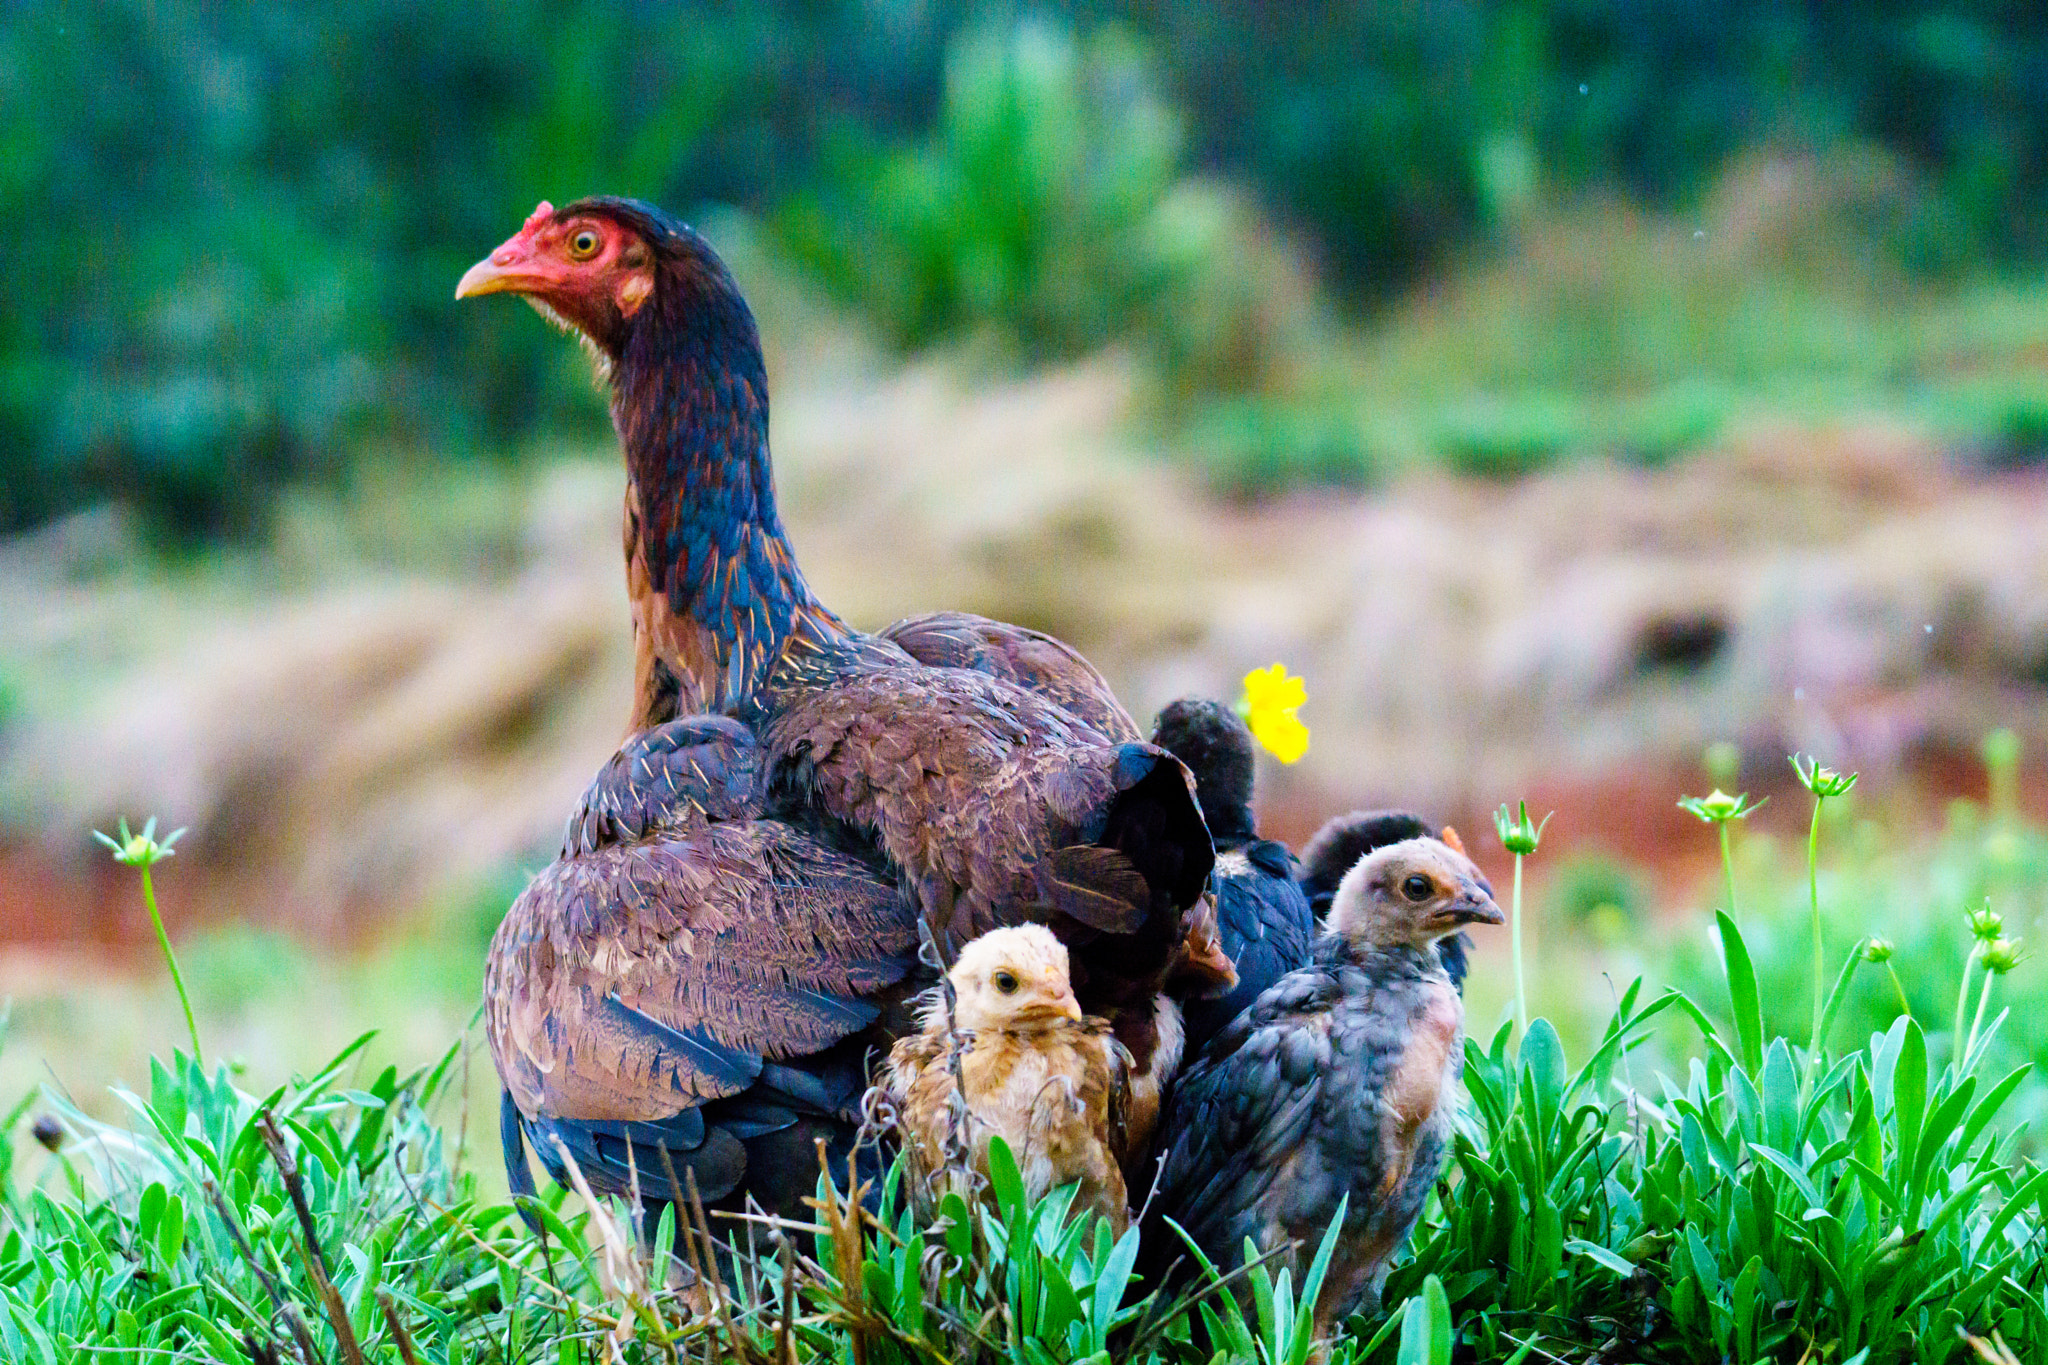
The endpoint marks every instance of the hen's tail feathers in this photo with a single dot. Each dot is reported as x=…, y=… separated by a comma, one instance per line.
x=1154, y=821
x=759, y=1143
x=518, y=1175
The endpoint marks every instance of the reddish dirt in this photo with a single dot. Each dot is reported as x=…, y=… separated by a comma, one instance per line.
x=85, y=905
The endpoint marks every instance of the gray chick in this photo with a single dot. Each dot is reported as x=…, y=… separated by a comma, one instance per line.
x=1340, y=1080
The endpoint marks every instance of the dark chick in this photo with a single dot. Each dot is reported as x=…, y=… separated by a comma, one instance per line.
x=690, y=986
x=1344, y=839
x=1339, y=1084
x=1262, y=917
x=968, y=780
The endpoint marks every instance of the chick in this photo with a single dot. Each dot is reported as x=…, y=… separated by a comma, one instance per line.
x=1263, y=919
x=1344, y=839
x=1015, y=1060
x=1339, y=1081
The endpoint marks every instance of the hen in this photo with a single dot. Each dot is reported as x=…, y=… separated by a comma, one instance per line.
x=1016, y=1060
x=968, y=779
x=691, y=986
x=1338, y=1085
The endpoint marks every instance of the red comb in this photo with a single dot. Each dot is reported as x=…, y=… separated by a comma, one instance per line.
x=538, y=216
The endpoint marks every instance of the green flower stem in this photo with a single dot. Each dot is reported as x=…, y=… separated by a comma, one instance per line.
x=1820, y=968
x=1728, y=866
x=1977, y=1021
x=1962, y=1004
x=1515, y=943
x=1905, y=1005
x=163, y=940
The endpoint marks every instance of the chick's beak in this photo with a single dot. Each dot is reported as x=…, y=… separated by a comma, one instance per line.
x=1067, y=1005
x=1474, y=905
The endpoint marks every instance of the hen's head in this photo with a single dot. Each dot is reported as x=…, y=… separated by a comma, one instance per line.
x=1012, y=977
x=1413, y=892
x=596, y=265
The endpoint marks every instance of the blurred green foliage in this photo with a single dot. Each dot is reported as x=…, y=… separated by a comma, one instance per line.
x=237, y=226
x=1596, y=894
x=1028, y=208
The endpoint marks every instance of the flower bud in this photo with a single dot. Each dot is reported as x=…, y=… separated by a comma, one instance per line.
x=1985, y=923
x=1822, y=782
x=2001, y=955
x=140, y=850
x=1518, y=835
x=1718, y=807
x=1878, y=950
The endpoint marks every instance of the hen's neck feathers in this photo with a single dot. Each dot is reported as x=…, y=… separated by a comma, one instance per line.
x=690, y=400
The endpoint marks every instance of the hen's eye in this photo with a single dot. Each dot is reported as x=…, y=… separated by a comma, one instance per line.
x=1005, y=983
x=584, y=244
x=1417, y=887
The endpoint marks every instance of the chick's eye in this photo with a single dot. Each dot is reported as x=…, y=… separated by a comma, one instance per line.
x=1417, y=887
x=584, y=244
x=1005, y=983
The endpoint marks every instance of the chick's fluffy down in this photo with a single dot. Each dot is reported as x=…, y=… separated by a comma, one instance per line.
x=1013, y=1057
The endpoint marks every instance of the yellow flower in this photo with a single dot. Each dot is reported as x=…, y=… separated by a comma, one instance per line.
x=1271, y=696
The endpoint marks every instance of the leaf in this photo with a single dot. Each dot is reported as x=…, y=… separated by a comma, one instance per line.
x=1703, y=1266
x=1909, y=1105
x=1792, y=1170
x=1780, y=1093
x=1835, y=997
x=1988, y=1107
x=1743, y=1000
x=1593, y=1251
x=1426, y=1327
x=1542, y=1064
x=2031, y=1190
x=1935, y=1134
x=170, y=1230
x=1006, y=1182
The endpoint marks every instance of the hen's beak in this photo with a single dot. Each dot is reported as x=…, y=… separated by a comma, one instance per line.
x=512, y=268
x=485, y=277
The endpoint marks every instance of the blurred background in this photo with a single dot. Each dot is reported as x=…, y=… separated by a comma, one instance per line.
x=1595, y=400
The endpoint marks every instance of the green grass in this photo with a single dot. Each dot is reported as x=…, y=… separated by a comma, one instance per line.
x=1695, y=1185
x=1601, y=331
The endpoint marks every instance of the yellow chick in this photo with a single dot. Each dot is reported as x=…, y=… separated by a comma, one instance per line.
x=1016, y=1060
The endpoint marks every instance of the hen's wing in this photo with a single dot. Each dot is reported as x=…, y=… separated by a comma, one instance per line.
x=1031, y=659
x=1000, y=807
x=680, y=775
x=1266, y=929
x=693, y=987
x=1343, y=840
